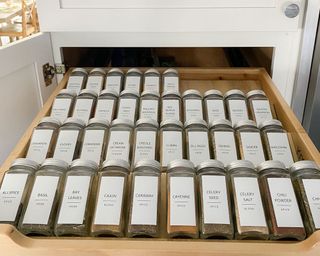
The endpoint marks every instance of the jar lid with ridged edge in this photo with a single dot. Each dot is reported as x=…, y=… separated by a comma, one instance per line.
x=147, y=122
x=133, y=71
x=74, y=121
x=169, y=122
x=271, y=164
x=88, y=92
x=170, y=93
x=129, y=92
x=181, y=163
x=270, y=124
x=304, y=164
x=195, y=122
x=108, y=92
x=148, y=163
x=93, y=166
x=244, y=124
x=240, y=164
x=220, y=122
x=210, y=164
x=255, y=92
x=67, y=92
x=150, y=93
x=170, y=71
x=191, y=92
x=80, y=70
x=98, y=122
x=51, y=120
x=119, y=122
x=98, y=70
x=234, y=92
x=116, y=163
x=56, y=163
x=212, y=92
x=116, y=71
x=152, y=71
x=25, y=162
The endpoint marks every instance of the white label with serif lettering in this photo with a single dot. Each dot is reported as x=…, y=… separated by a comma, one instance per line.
x=66, y=144
x=94, y=83
x=262, y=111
x=151, y=83
x=104, y=109
x=118, y=146
x=238, y=111
x=127, y=109
x=113, y=83
x=198, y=147
x=252, y=147
x=225, y=147
x=60, y=109
x=193, y=109
x=82, y=109
x=171, y=83
x=311, y=186
x=145, y=146
x=75, y=84
x=215, y=110
x=171, y=146
x=92, y=145
x=170, y=110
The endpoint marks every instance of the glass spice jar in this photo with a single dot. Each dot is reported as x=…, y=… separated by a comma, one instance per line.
x=84, y=105
x=214, y=202
x=106, y=105
x=43, y=138
x=94, y=140
x=114, y=80
x=69, y=140
x=119, y=141
x=223, y=141
x=280, y=201
x=170, y=80
x=250, y=221
x=128, y=105
x=192, y=105
x=213, y=106
x=14, y=187
x=96, y=80
x=74, y=213
x=249, y=141
x=277, y=143
x=133, y=80
x=149, y=105
x=63, y=105
x=111, y=199
x=145, y=140
x=305, y=177
x=181, y=200
x=144, y=201
x=259, y=106
x=171, y=106
x=171, y=142
x=77, y=80
x=151, y=80
x=236, y=105
x=39, y=213
x=197, y=141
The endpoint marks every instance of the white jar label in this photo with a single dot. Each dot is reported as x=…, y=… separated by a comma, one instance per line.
x=145, y=201
x=11, y=192
x=170, y=110
x=252, y=147
x=248, y=200
x=92, y=145
x=74, y=200
x=198, y=147
x=171, y=83
x=39, y=145
x=152, y=83
x=60, y=109
x=280, y=147
x=171, y=146
x=145, y=147
x=66, y=145
x=109, y=203
x=215, y=110
x=41, y=200
x=238, y=111
x=262, y=111
x=75, y=84
x=118, y=146
x=113, y=83
x=182, y=202
x=225, y=147
x=104, y=109
x=132, y=83
x=127, y=109
x=311, y=187
x=149, y=109
x=284, y=203
x=193, y=109
x=82, y=109
x=94, y=83
x=215, y=200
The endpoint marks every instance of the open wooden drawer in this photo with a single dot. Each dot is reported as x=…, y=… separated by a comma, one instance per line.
x=12, y=242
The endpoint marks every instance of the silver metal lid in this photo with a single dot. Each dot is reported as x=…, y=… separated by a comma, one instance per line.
x=243, y=123
x=255, y=92
x=180, y=163
x=191, y=92
x=150, y=93
x=129, y=92
x=115, y=70
x=271, y=164
x=25, y=162
x=76, y=121
x=98, y=70
x=67, y=92
x=84, y=163
x=82, y=70
x=148, y=163
x=218, y=122
x=171, y=122
x=152, y=71
x=125, y=122
x=134, y=70
x=55, y=162
x=116, y=163
x=212, y=92
x=51, y=120
x=234, y=92
x=304, y=164
x=240, y=164
x=171, y=71
x=170, y=93
x=192, y=122
x=88, y=91
x=98, y=121
x=210, y=164
x=147, y=121
x=272, y=122
x=108, y=92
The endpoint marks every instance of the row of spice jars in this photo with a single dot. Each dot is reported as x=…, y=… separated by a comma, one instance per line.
x=239, y=201
x=115, y=79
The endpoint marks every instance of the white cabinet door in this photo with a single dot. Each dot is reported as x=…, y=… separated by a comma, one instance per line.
x=22, y=87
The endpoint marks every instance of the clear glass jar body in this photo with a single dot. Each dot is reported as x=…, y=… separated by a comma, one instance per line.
x=214, y=108
x=170, y=80
x=114, y=80
x=14, y=188
x=281, y=205
x=128, y=106
x=77, y=80
x=95, y=80
x=171, y=106
x=133, y=80
x=151, y=80
x=236, y=105
x=106, y=105
x=84, y=105
x=63, y=105
x=192, y=105
x=149, y=105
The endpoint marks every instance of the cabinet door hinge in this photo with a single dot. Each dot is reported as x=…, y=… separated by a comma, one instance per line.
x=49, y=72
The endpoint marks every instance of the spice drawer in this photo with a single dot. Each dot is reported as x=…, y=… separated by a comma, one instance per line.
x=12, y=242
